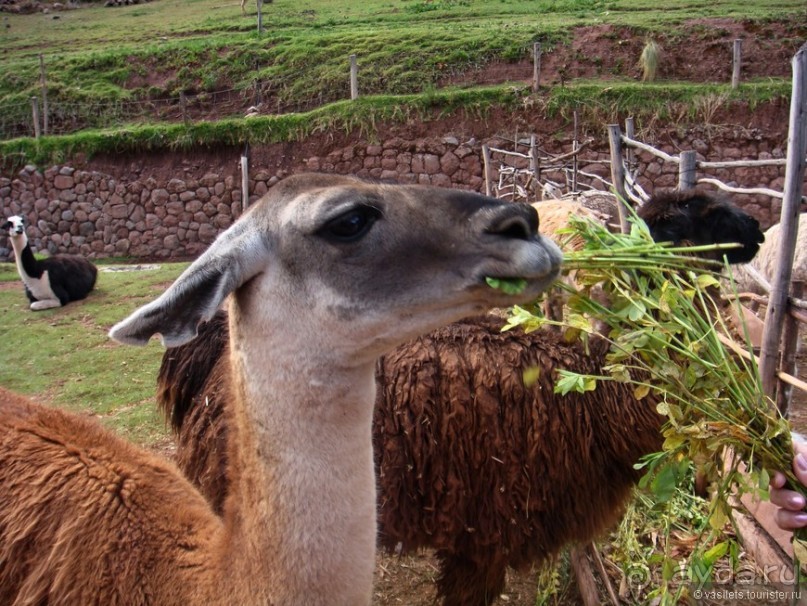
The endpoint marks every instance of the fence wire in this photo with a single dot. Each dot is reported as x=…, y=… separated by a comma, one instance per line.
x=16, y=119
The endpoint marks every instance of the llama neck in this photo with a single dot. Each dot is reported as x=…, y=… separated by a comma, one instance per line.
x=24, y=257
x=302, y=513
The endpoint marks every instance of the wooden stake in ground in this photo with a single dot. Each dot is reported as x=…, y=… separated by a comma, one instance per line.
x=736, y=62
x=618, y=174
x=791, y=207
x=44, y=94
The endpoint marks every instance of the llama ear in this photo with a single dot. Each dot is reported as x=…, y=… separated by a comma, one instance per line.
x=236, y=256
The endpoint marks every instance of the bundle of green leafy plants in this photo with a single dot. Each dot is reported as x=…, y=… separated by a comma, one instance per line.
x=664, y=318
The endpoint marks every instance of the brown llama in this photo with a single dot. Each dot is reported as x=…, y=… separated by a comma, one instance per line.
x=326, y=274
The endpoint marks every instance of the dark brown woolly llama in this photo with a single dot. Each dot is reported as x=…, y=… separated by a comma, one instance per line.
x=469, y=461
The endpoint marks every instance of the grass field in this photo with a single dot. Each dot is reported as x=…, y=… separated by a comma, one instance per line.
x=64, y=357
x=405, y=46
x=115, y=75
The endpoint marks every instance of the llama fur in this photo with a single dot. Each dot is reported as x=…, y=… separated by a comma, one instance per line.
x=87, y=519
x=697, y=217
x=470, y=462
x=51, y=282
x=73, y=501
x=554, y=217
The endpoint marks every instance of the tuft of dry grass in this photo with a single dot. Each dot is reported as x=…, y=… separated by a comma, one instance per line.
x=649, y=60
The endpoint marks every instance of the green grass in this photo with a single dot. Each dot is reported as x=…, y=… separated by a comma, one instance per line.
x=596, y=102
x=158, y=49
x=64, y=357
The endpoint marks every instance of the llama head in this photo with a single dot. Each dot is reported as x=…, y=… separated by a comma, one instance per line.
x=355, y=266
x=698, y=218
x=15, y=226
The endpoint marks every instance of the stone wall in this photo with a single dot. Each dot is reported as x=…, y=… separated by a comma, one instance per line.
x=96, y=215
x=146, y=215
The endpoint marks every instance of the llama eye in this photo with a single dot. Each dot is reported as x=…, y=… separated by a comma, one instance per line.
x=352, y=225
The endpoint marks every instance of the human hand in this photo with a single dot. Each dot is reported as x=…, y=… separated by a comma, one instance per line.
x=791, y=513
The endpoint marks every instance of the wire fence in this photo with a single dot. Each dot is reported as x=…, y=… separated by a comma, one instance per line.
x=19, y=119
x=50, y=116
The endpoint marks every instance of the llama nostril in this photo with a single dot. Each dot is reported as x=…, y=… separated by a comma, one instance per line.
x=516, y=221
x=517, y=229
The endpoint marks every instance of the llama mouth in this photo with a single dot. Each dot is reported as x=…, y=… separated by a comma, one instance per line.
x=529, y=284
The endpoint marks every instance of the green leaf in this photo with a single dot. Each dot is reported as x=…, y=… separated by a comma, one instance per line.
x=572, y=382
x=670, y=369
x=734, y=554
x=571, y=334
x=531, y=376
x=663, y=485
x=669, y=569
x=718, y=519
x=706, y=280
x=715, y=553
x=525, y=319
x=700, y=571
x=800, y=549
x=764, y=479
x=510, y=286
x=636, y=311
x=673, y=442
x=641, y=391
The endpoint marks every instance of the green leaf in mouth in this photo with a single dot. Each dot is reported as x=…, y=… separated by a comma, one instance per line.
x=510, y=286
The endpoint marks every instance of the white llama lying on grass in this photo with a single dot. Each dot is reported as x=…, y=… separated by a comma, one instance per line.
x=51, y=282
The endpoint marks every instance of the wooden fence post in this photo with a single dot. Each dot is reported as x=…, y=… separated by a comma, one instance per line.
x=536, y=66
x=486, y=168
x=618, y=174
x=44, y=94
x=534, y=166
x=260, y=16
x=790, y=345
x=245, y=178
x=515, y=170
x=688, y=170
x=354, y=78
x=257, y=95
x=35, y=112
x=183, y=103
x=794, y=178
x=630, y=133
x=737, y=58
x=575, y=147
